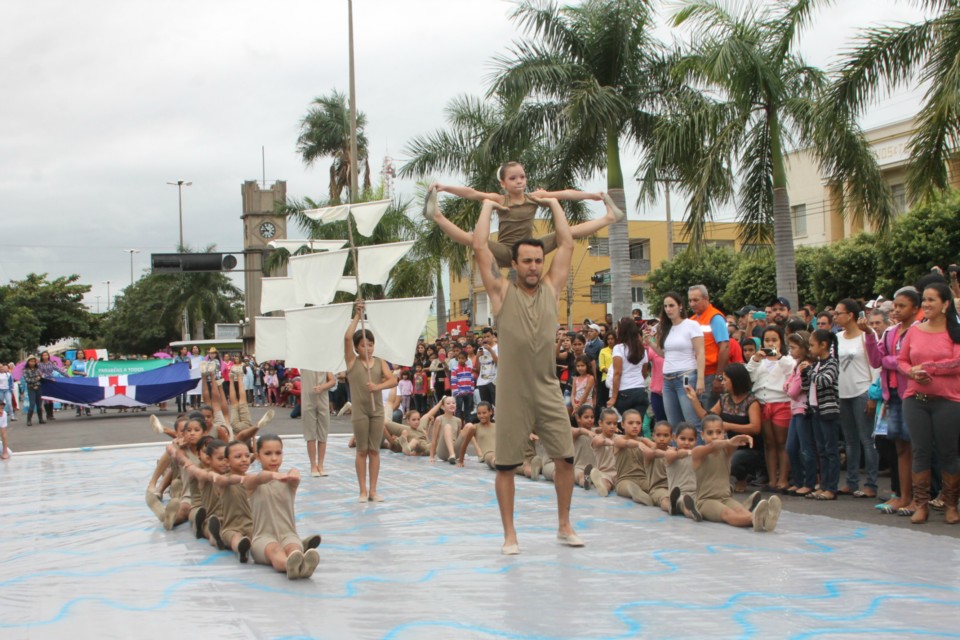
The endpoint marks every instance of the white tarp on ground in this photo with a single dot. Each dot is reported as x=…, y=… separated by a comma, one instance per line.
x=271, y=338
x=314, y=245
x=317, y=275
x=84, y=558
x=277, y=294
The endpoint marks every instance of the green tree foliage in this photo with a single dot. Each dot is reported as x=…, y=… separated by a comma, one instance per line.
x=863, y=266
x=588, y=80
x=325, y=132
x=926, y=237
x=760, y=98
x=138, y=322
x=147, y=316
x=847, y=270
x=36, y=311
x=711, y=267
x=889, y=57
x=753, y=280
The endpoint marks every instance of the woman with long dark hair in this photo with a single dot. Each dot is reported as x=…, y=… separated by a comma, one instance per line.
x=856, y=376
x=930, y=358
x=680, y=342
x=628, y=389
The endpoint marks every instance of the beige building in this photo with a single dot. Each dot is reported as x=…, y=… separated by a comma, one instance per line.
x=816, y=216
x=584, y=298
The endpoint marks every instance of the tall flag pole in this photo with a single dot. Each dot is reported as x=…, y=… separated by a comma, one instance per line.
x=354, y=170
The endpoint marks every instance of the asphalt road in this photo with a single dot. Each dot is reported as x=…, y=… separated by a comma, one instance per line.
x=114, y=428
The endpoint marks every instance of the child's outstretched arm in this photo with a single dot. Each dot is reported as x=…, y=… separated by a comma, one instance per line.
x=466, y=192
x=566, y=194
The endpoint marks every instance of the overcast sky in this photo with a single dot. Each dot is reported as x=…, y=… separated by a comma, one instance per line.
x=106, y=101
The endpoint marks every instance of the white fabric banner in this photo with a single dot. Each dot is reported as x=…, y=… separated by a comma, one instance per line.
x=271, y=338
x=367, y=215
x=396, y=325
x=324, y=215
x=347, y=284
x=316, y=277
x=377, y=260
x=315, y=337
x=314, y=245
x=277, y=294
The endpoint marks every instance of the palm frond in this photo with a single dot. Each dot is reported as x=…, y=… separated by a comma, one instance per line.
x=882, y=59
x=938, y=124
x=755, y=197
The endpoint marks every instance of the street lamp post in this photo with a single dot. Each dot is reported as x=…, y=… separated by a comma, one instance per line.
x=131, y=252
x=107, y=282
x=98, y=303
x=180, y=184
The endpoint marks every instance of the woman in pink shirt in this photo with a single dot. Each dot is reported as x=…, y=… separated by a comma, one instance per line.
x=930, y=358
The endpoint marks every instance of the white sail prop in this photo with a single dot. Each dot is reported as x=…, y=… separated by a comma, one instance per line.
x=271, y=340
x=377, y=260
x=316, y=277
x=396, y=325
x=314, y=245
x=367, y=215
x=315, y=337
x=325, y=215
x=277, y=294
x=348, y=284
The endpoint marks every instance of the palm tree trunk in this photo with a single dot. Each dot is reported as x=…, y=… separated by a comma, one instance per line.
x=784, y=251
x=619, y=233
x=441, y=306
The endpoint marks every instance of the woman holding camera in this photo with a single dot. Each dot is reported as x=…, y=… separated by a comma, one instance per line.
x=680, y=342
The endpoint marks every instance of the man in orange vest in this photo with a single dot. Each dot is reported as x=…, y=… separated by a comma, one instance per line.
x=716, y=342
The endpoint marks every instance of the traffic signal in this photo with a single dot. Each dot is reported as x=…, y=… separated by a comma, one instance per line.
x=191, y=262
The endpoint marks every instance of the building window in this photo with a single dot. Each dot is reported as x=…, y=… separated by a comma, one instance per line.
x=464, y=306
x=899, y=192
x=636, y=293
x=679, y=247
x=599, y=246
x=640, y=249
x=600, y=294
x=799, y=215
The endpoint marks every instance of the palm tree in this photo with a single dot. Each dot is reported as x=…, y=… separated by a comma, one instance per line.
x=465, y=148
x=894, y=56
x=325, y=132
x=758, y=98
x=586, y=81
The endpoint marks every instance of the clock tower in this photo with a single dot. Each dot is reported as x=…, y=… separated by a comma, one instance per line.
x=261, y=224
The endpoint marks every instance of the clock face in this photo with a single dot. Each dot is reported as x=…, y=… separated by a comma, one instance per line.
x=267, y=230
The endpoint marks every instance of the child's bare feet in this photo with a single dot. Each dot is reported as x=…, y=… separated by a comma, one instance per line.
x=612, y=209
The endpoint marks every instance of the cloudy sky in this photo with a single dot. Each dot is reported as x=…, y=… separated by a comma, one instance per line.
x=106, y=101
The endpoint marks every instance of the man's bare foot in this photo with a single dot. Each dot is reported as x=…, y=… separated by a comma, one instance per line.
x=363, y=498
